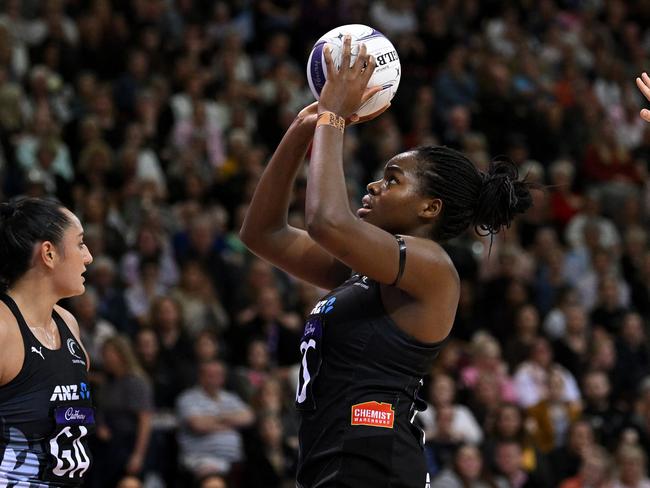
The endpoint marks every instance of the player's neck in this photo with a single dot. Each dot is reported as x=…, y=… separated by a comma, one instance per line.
x=35, y=299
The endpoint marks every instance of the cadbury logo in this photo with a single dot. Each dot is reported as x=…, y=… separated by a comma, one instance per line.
x=74, y=414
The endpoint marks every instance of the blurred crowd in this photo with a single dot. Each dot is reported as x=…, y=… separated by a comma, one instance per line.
x=153, y=119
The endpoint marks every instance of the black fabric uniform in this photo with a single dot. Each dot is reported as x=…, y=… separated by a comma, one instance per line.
x=46, y=413
x=353, y=356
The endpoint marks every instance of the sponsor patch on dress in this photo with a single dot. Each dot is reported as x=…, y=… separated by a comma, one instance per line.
x=313, y=328
x=74, y=415
x=373, y=414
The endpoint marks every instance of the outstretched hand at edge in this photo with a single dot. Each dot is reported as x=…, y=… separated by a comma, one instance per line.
x=643, y=83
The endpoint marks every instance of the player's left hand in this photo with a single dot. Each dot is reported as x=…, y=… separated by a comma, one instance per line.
x=643, y=82
x=355, y=119
x=310, y=110
x=346, y=87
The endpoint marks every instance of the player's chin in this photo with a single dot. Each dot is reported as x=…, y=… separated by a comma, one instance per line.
x=369, y=218
x=80, y=289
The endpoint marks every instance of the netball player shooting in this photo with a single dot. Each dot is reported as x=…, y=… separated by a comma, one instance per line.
x=394, y=290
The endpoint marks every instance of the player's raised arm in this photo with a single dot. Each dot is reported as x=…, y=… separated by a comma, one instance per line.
x=266, y=230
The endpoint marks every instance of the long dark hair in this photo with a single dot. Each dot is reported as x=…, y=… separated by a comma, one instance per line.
x=487, y=200
x=24, y=223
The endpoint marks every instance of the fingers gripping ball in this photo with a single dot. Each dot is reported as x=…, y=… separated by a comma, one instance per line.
x=387, y=73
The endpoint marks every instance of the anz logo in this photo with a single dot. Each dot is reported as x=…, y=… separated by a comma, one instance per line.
x=64, y=393
x=324, y=306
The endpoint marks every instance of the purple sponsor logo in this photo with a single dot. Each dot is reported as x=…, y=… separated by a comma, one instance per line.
x=317, y=70
x=74, y=415
x=313, y=328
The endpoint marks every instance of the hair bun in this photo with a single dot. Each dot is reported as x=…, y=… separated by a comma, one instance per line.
x=502, y=196
x=7, y=210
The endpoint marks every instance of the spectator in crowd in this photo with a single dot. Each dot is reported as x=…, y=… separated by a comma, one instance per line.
x=466, y=471
x=268, y=319
x=200, y=242
x=175, y=344
x=196, y=294
x=551, y=280
x=605, y=418
x=565, y=202
x=531, y=377
x=554, y=324
x=635, y=243
x=571, y=350
x=525, y=333
x=508, y=424
x=207, y=346
x=603, y=234
x=167, y=381
x=149, y=246
x=510, y=472
x=632, y=356
x=202, y=134
x=486, y=360
x=485, y=399
x=450, y=360
x=247, y=379
x=274, y=460
x=443, y=442
x=641, y=286
x=141, y=295
x=631, y=467
x=111, y=301
x=210, y=418
x=595, y=470
x=600, y=268
x=606, y=159
x=271, y=399
x=442, y=393
x=611, y=304
x=124, y=426
x=568, y=459
x=552, y=416
x=176, y=348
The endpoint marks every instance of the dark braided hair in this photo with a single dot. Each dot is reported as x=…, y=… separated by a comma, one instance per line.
x=488, y=201
x=23, y=224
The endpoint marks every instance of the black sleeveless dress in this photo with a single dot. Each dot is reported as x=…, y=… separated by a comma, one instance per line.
x=357, y=394
x=46, y=413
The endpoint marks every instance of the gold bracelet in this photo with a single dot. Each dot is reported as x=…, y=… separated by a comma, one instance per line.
x=330, y=118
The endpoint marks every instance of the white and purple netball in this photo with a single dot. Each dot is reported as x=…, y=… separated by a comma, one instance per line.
x=387, y=73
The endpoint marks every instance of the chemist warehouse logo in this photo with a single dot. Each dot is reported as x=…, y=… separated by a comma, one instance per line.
x=64, y=393
x=373, y=414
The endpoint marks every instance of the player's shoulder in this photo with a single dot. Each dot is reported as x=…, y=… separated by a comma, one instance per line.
x=431, y=256
x=10, y=335
x=7, y=321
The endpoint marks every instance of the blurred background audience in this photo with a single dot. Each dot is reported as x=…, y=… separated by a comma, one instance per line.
x=153, y=120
